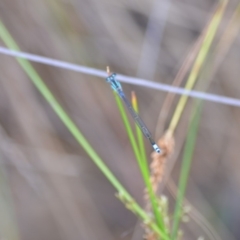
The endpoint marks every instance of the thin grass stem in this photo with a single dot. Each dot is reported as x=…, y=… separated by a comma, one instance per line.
x=185, y=168
x=142, y=162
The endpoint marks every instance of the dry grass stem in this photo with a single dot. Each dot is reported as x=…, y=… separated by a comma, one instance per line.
x=157, y=167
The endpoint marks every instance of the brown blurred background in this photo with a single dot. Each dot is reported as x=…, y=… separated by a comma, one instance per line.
x=50, y=189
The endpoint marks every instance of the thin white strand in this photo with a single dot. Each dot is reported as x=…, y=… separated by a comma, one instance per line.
x=122, y=78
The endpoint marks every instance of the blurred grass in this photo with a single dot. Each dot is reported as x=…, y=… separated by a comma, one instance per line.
x=201, y=57
x=185, y=167
x=8, y=222
x=227, y=38
x=43, y=89
x=192, y=131
x=141, y=155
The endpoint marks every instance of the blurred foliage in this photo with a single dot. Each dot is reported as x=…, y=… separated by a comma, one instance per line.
x=57, y=192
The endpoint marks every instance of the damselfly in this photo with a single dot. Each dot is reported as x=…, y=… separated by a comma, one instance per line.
x=116, y=86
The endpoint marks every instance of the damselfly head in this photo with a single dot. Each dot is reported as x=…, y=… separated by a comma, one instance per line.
x=111, y=78
x=115, y=85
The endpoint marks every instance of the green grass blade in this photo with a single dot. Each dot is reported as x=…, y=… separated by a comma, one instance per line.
x=129, y=130
x=140, y=136
x=185, y=168
x=143, y=165
x=43, y=89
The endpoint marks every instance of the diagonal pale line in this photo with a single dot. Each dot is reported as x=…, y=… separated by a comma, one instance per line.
x=122, y=78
